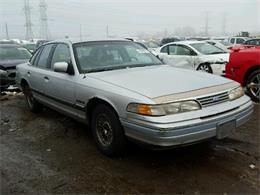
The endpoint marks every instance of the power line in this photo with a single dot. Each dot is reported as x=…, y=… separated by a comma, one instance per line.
x=44, y=30
x=28, y=23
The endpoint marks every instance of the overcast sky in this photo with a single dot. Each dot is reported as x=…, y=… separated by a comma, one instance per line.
x=129, y=17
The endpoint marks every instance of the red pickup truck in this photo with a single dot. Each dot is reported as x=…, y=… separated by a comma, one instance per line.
x=244, y=67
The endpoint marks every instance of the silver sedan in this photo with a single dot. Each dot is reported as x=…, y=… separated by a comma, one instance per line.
x=123, y=92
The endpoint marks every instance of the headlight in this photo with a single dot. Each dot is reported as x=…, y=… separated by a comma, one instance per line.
x=3, y=72
x=236, y=93
x=163, y=109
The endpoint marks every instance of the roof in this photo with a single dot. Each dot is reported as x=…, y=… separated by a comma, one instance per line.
x=9, y=45
x=72, y=41
x=185, y=42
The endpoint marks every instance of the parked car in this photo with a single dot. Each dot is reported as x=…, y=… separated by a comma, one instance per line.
x=218, y=44
x=124, y=92
x=31, y=47
x=244, y=67
x=169, y=40
x=10, y=56
x=195, y=55
x=237, y=40
x=252, y=42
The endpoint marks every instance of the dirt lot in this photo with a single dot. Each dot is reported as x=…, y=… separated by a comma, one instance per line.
x=50, y=153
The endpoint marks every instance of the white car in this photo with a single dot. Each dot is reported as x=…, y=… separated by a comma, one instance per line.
x=218, y=44
x=196, y=55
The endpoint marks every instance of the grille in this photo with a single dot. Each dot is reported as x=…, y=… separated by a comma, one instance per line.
x=214, y=99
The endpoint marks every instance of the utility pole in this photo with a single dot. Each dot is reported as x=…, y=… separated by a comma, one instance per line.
x=6, y=31
x=224, y=21
x=44, y=31
x=107, y=31
x=80, y=32
x=206, y=33
x=28, y=23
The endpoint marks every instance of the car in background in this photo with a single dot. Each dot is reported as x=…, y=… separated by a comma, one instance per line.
x=195, y=55
x=31, y=47
x=169, y=40
x=252, y=42
x=237, y=40
x=218, y=44
x=40, y=42
x=124, y=92
x=244, y=67
x=10, y=56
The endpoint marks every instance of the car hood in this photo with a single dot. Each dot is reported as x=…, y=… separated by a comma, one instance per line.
x=216, y=58
x=12, y=63
x=160, y=80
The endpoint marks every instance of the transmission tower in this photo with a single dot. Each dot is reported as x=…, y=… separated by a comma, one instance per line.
x=224, y=21
x=44, y=31
x=28, y=23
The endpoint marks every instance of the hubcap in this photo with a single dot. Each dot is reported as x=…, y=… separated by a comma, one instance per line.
x=104, y=130
x=254, y=86
x=204, y=68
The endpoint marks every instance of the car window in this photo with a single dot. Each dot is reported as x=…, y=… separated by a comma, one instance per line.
x=232, y=40
x=172, y=50
x=61, y=54
x=164, y=49
x=34, y=57
x=239, y=40
x=44, y=57
x=183, y=51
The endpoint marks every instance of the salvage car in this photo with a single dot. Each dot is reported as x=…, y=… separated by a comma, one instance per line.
x=196, y=55
x=122, y=91
x=244, y=67
x=10, y=56
x=255, y=42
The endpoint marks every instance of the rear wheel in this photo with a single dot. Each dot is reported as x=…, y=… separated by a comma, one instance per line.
x=253, y=85
x=33, y=105
x=205, y=68
x=107, y=131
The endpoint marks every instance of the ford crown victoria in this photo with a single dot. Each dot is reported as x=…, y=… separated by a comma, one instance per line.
x=123, y=92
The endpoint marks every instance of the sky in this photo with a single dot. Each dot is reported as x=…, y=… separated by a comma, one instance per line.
x=130, y=17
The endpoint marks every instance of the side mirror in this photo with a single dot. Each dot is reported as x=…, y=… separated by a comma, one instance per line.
x=61, y=67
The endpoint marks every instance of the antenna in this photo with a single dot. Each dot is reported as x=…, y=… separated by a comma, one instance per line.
x=44, y=31
x=28, y=23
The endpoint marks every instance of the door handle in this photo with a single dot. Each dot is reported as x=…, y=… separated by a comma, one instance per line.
x=29, y=73
x=46, y=78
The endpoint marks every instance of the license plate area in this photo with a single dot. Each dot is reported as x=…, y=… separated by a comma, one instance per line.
x=225, y=129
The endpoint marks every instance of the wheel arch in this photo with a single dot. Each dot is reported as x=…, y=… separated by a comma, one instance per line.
x=94, y=102
x=249, y=71
x=23, y=83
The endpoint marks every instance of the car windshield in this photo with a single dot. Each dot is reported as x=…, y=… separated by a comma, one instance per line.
x=11, y=53
x=207, y=49
x=110, y=55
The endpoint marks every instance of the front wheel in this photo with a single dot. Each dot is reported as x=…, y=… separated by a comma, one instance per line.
x=33, y=105
x=205, y=68
x=107, y=131
x=253, y=86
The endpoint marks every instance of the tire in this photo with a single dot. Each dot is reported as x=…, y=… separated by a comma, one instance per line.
x=253, y=85
x=33, y=105
x=205, y=68
x=107, y=131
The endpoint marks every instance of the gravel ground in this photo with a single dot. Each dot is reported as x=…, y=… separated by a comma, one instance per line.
x=50, y=153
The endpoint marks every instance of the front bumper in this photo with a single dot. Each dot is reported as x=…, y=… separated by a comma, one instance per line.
x=187, y=132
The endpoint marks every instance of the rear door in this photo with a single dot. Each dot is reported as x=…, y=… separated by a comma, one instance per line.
x=39, y=69
x=180, y=56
